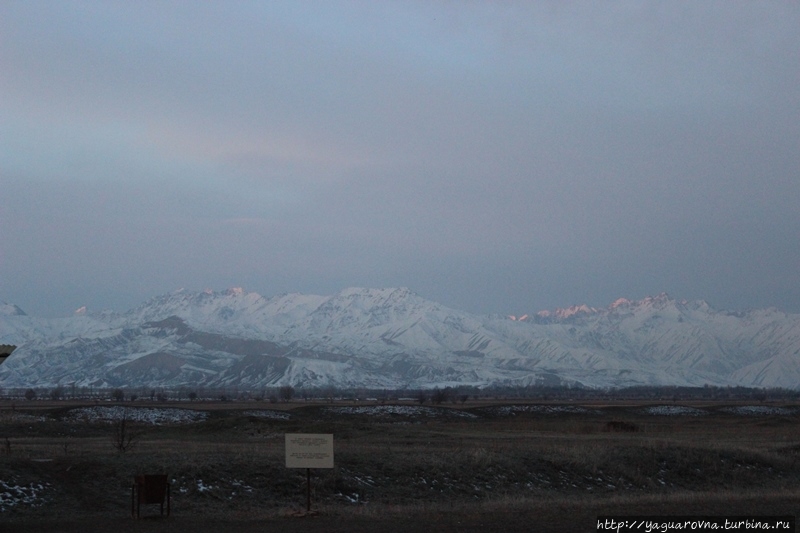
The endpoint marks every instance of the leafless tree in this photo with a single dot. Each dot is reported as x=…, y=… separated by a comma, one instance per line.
x=124, y=437
x=286, y=392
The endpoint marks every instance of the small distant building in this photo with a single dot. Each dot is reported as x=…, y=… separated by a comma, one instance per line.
x=5, y=351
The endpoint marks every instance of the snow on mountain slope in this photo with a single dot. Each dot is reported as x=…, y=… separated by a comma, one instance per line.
x=10, y=310
x=394, y=338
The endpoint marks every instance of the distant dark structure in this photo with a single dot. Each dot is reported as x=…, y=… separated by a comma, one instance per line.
x=5, y=351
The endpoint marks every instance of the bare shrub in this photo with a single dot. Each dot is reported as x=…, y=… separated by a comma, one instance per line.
x=286, y=392
x=440, y=396
x=124, y=437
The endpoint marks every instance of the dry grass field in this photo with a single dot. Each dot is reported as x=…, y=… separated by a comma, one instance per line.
x=488, y=466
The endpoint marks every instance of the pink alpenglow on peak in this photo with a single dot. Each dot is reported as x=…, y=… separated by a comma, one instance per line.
x=574, y=310
x=620, y=302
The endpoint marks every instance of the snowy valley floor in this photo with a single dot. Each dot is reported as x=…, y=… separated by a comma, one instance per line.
x=489, y=466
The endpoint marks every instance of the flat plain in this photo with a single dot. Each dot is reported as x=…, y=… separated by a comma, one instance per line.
x=488, y=465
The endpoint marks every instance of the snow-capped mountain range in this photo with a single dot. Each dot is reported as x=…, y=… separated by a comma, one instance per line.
x=393, y=338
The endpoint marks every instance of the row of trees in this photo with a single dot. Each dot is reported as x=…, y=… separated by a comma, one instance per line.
x=437, y=395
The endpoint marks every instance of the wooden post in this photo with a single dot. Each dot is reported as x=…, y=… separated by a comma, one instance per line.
x=308, y=493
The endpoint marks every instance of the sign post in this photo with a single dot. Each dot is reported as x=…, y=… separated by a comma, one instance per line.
x=309, y=450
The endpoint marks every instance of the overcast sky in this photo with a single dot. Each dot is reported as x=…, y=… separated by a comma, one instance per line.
x=492, y=156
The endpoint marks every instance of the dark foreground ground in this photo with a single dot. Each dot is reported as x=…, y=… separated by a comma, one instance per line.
x=562, y=516
x=512, y=467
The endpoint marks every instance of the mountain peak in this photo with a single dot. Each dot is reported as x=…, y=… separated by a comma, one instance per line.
x=380, y=296
x=620, y=302
x=383, y=291
x=563, y=313
x=11, y=310
x=391, y=337
x=659, y=301
x=659, y=298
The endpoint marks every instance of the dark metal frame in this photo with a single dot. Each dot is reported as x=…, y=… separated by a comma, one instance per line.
x=149, y=489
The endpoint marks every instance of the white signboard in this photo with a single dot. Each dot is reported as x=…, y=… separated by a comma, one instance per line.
x=309, y=450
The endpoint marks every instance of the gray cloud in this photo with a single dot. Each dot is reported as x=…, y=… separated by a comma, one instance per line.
x=494, y=157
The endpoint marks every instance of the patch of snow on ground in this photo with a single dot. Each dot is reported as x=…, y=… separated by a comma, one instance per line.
x=352, y=498
x=759, y=410
x=399, y=410
x=147, y=415
x=202, y=487
x=265, y=413
x=241, y=485
x=13, y=494
x=223, y=488
x=673, y=410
